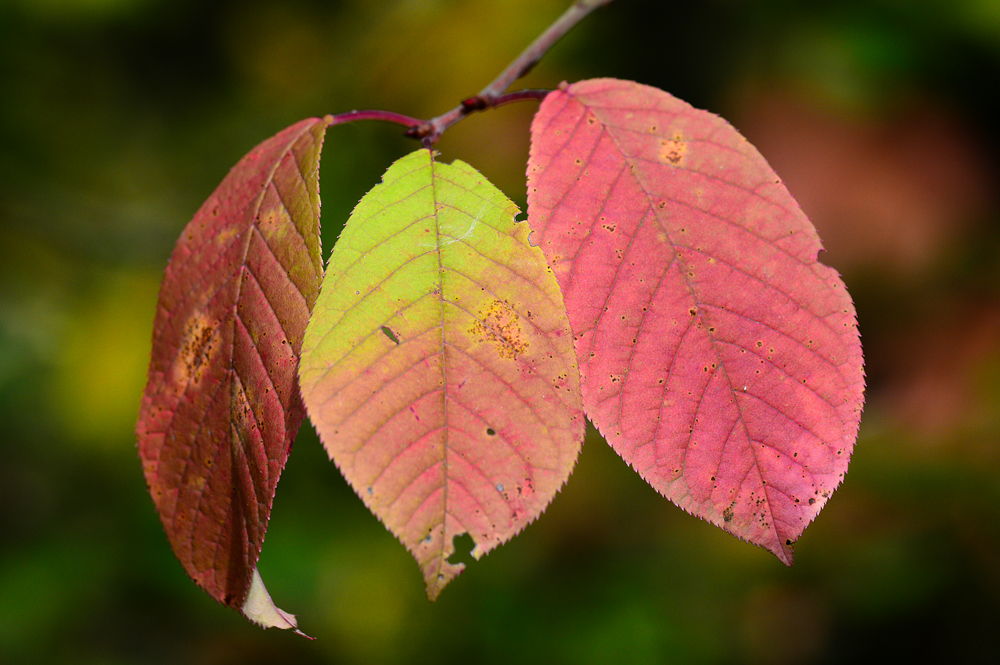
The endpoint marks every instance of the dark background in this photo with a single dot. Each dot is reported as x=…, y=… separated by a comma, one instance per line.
x=118, y=117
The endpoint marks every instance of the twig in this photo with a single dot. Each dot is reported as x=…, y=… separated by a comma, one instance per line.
x=426, y=132
x=531, y=55
x=492, y=95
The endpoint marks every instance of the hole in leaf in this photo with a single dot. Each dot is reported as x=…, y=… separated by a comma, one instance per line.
x=463, y=545
x=387, y=331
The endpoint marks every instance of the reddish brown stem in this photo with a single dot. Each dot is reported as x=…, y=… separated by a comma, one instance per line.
x=531, y=55
x=493, y=95
x=384, y=116
x=430, y=131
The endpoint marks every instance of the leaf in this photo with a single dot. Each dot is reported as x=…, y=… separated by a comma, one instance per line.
x=438, y=366
x=221, y=408
x=717, y=356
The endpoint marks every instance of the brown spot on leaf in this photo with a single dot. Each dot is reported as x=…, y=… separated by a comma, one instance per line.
x=673, y=150
x=197, y=348
x=498, y=324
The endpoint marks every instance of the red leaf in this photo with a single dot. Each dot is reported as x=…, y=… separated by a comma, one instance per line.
x=718, y=357
x=222, y=407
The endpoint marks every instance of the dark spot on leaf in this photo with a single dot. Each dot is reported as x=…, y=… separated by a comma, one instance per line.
x=673, y=150
x=387, y=331
x=812, y=501
x=197, y=348
x=498, y=324
x=490, y=431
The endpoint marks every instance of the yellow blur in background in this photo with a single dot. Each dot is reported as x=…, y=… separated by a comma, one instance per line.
x=118, y=117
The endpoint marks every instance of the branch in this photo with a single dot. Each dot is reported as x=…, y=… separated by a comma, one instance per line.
x=492, y=95
x=430, y=131
x=531, y=55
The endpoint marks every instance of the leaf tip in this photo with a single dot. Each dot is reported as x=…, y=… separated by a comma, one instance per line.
x=786, y=554
x=259, y=608
x=438, y=575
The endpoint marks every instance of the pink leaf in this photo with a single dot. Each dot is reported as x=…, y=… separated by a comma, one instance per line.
x=718, y=357
x=222, y=407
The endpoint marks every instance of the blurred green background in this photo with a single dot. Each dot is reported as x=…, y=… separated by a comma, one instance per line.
x=118, y=117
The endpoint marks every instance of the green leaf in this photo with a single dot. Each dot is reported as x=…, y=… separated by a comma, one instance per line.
x=438, y=366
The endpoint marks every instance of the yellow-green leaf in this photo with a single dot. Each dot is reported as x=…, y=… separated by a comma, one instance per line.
x=439, y=367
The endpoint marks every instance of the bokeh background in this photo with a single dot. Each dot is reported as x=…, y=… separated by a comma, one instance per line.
x=118, y=117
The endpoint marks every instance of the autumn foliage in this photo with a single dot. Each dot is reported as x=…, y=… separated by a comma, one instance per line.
x=665, y=285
